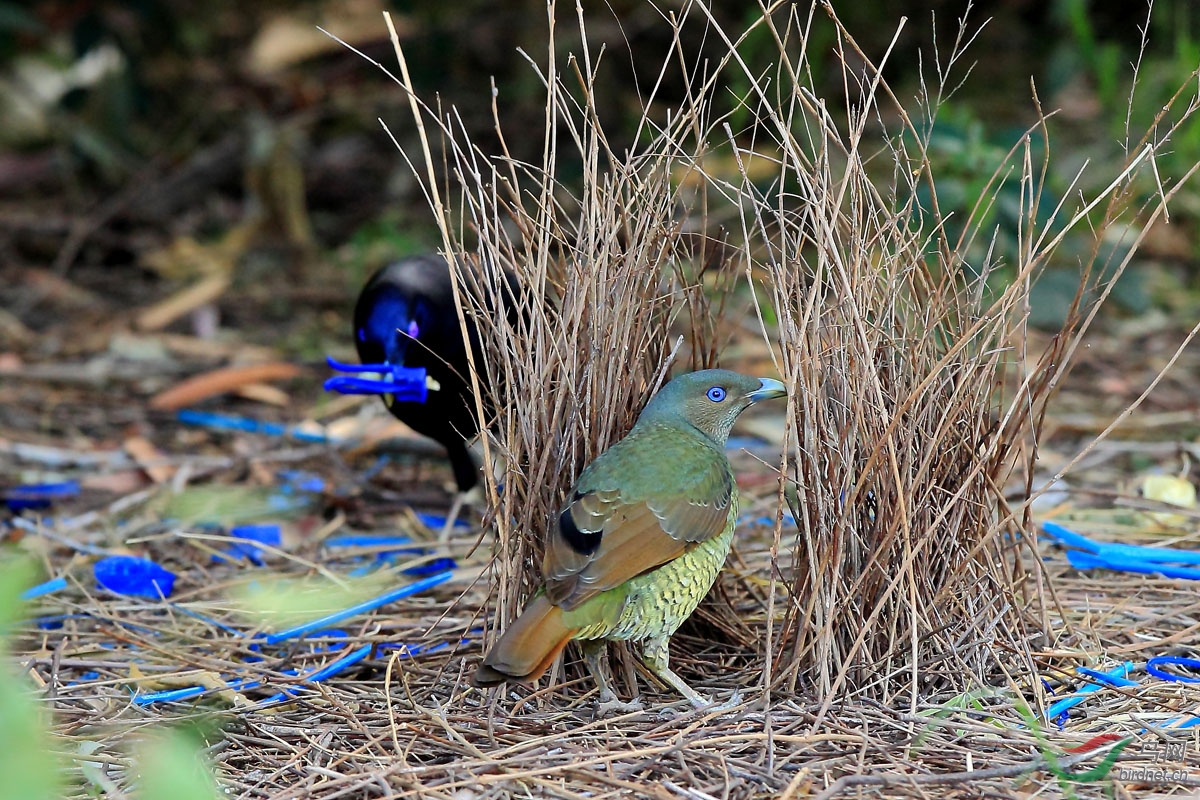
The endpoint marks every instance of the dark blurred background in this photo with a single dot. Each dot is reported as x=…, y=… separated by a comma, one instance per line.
x=146, y=145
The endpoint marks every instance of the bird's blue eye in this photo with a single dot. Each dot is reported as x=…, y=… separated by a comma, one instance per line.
x=716, y=394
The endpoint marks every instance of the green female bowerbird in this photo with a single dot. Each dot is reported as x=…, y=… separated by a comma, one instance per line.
x=640, y=540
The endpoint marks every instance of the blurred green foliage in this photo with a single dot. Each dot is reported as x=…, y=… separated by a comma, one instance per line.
x=171, y=767
x=29, y=766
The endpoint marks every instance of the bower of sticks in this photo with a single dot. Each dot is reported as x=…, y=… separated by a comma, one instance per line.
x=896, y=619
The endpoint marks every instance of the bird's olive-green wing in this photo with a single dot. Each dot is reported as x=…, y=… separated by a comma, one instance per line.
x=641, y=504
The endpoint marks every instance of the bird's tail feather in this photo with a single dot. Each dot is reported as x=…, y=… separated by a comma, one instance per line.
x=528, y=647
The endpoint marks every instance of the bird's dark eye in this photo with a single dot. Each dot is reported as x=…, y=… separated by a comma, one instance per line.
x=716, y=394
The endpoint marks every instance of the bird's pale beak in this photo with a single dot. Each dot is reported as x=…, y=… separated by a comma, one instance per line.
x=768, y=388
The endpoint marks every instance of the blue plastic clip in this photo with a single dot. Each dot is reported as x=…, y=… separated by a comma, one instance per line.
x=404, y=384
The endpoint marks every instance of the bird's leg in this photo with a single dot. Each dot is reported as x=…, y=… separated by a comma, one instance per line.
x=656, y=656
x=472, y=497
x=595, y=653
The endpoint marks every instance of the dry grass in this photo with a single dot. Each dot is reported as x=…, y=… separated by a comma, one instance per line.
x=619, y=279
x=916, y=393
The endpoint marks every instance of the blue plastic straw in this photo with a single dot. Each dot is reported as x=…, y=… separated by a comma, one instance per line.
x=1124, y=557
x=1121, y=672
x=1081, y=560
x=327, y=671
x=361, y=608
x=49, y=586
x=1105, y=678
x=188, y=692
x=229, y=422
x=1116, y=551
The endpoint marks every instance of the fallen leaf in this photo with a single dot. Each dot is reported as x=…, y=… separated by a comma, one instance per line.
x=264, y=393
x=220, y=381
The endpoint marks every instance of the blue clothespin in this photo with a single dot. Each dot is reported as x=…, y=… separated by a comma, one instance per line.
x=404, y=384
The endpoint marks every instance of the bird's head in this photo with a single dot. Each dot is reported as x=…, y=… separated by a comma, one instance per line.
x=386, y=324
x=709, y=400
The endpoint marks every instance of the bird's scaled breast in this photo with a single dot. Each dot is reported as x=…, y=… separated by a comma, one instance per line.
x=658, y=602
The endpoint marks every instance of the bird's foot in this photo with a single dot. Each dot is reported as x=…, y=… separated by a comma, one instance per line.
x=608, y=705
x=734, y=701
x=703, y=703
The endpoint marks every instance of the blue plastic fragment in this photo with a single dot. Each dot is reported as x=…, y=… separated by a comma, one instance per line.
x=397, y=547
x=745, y=443
x=297, y=480
x=229, y=422
x=269, y=534
x=366, y=540
x=49, y=586
x=39, y=495
x=134, y=577
x=430, y=567
x=360, y=608
x=404, y=384
x=438, y=521
x=788, y=521
x=1133, y=551
x=1154, y=667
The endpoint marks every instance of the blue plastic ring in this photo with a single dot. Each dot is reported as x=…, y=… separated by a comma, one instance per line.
x=1152, y=667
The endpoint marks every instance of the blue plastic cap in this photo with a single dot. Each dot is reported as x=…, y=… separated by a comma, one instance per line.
x=404, y=384
x=134, y=577
x=269, y=534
